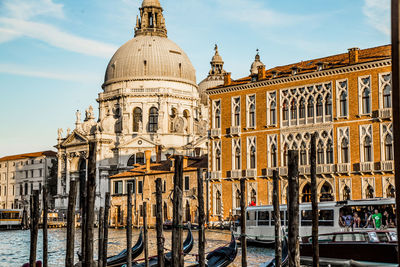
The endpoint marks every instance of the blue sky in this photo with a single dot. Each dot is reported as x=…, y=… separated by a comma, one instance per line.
x=53, y=53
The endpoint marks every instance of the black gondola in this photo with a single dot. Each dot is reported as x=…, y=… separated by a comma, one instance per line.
x=223, y=256
x=187, y=247
x=285, y=256
x=120, y=259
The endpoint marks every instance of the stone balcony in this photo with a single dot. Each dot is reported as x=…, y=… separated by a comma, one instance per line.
x=251, y=173
x=235, y=130
x=236, y=174
x=387, y=166
x=325, y=169
x=367, y=167
x=215, y=133
x=304, y=170
x=343, y=168
x=283, y=171
x=216, y=175
x=385, y=113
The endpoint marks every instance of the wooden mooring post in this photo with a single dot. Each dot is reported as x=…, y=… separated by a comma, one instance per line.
x=106, y=225
x=82, y=207
x=177, y=259
x=45, y=232
x=90, y=200
x=314, y=200
x=101, y=237
x=69, y=258
x=159, y=223
x=129, y=228
x=243, y=221
x=277, y=219
x=34, y=227
x=293, y=208
x=200, y=199
x=146, y=239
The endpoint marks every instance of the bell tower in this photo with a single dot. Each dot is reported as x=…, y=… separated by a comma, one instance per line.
x=151, y=21
x=217, y=64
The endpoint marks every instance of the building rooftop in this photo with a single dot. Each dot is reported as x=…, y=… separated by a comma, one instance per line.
x=47, y=153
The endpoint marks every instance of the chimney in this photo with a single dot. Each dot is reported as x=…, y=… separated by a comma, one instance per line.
x=158, y=151
x=147, y=154
x=320, y=66
x=185, y=162
x=294, y=70
x=274, y=73
x=261, y=72
x=227, y=79
x=353, y=55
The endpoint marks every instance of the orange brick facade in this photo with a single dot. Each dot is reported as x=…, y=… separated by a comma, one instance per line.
x=350, y=109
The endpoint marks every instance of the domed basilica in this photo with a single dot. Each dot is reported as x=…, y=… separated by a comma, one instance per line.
x=150, y=102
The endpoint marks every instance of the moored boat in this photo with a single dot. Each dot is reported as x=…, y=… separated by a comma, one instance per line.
x=285, y=256
x=120, y=259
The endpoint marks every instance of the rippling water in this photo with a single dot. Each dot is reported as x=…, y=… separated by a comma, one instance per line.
x=14, y=246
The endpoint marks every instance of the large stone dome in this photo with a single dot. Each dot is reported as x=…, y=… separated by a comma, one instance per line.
x=147, y=57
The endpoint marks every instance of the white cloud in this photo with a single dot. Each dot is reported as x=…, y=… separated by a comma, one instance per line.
x=378, y=14
x=24, y=71
x=18, y=23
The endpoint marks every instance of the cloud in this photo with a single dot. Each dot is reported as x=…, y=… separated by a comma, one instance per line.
x=378, y=14
x=18, y=23
x=23, y=71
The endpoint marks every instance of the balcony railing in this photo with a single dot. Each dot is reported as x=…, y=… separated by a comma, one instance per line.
x=304, y=170
x=385, y=113
x=283, y=171
x=343, y=168
x=236, y=174
x=215, y=133
x=251, y=173
x=387, y=166
x=234, y=130
x=216, y=175
x=366, y=167
x=325, y=168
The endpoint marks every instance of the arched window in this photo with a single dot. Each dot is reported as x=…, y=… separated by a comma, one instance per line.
x=237, y=115
x=21, y=190
x=218, y=160
x=252, y=157
x=217, y=116
x=140, y=157
x=187, y=213
x=306, y=193
x=293, y=110
x=253, y=196
x=328, y=105
x=252, y=115
x=273, y=113
x=346, y=193
x=343, y=104
x=366, y=101
x=319, y=106
x=302, y=109
x=285, y=111
x=137, y=119
x=153, y=120
x=218, y=202
x=326, y=193
x=369, y=192
x=303, y=154
x=367, y=149
x=237, y=158
x=344, y=151
x=165, y=210
x=320, y=153
x=387, y=97
x=274, y=162
x=329, y=153
x=390, y=191
x=388, y=147
x=237, y=198
x=310, y=107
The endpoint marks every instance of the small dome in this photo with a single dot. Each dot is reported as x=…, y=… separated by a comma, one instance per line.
x=257, y=63
x=150, y=58
x=149, y=3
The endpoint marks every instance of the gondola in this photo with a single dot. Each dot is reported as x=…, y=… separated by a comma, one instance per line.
x=153, y=261
x=120, y=259
x=285, y=256
x=222, y=257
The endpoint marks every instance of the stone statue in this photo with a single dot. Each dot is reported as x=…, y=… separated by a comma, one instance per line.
x=78, y=116
x=60, y=132
x=89, y=113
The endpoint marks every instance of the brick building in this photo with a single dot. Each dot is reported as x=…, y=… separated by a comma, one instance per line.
x=255, y=120
x=143, y=177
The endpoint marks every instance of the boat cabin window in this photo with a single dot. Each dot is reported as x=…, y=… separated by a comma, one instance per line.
x=350, y=237
x=325, y=218
x=251, y=218
x=324, y=238
x=284, y=218
x=263, y=217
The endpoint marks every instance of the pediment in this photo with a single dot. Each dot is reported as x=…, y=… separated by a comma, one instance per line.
x=138, y=142
x=75, y=139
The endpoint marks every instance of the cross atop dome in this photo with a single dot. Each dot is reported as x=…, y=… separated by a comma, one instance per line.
x=151, y=21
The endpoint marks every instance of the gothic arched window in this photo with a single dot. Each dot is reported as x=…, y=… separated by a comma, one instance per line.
x=237, y=114
x=252, y=115
x=387, y=97
x=293, y=110
x=237, y=200
x=367, y=149
x=237, y=158
x=253, y=196
x=274, y=162
x=137, y=119
x=218, y=202
x=343, y=104
x=306, y=193
x=329, y=153
x=218, y=160
x=285, y=111
x=328, y=105
x=303, y=154
x=366, y=101
x=390, y=191
x=273, y=113
x=369, y=192
x=310, y=107
x=344, y=149
x=252, y=157
x=388, y=147
x=319, y=106
x=346, y=193
x=326, y=193
x=153, y=120
x=302, y=109
x=320, y=153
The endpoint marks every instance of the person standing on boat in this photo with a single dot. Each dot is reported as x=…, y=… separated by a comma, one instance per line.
x=377, y=219
x=356, y=220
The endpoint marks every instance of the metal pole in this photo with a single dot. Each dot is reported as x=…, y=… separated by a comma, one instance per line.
x=314, y=200
x=159, y=223
x=243, y=221
x=129, y=228
x=293, y=209
x=277, y=220
x=69, y=260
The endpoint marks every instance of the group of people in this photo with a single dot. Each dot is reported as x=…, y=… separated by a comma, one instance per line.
x=376, y=218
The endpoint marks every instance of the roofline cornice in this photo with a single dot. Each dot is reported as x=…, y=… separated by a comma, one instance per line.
x=301, y=77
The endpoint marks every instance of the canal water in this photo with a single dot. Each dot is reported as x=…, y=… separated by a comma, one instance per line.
x=14, y=246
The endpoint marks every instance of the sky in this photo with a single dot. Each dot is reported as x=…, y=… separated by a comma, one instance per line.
x=54, y=53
